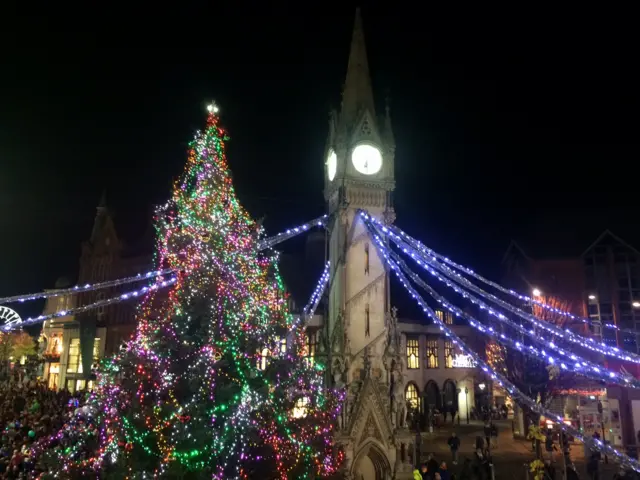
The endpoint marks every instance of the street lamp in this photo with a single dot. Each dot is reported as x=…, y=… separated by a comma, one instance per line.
x=466, y=397
x=636, y=304
x=536, y=292
x=592, y=297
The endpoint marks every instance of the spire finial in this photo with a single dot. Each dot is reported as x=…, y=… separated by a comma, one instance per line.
x=387, y=103
x=102, y=204
x=357, y=94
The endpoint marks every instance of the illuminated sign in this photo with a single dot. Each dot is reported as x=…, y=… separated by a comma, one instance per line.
x=9, y=317
x=463, y=361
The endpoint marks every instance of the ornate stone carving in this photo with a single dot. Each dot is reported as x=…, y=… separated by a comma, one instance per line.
x=399, y=407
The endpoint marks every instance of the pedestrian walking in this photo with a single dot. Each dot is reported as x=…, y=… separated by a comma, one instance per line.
x=454, y=445
x=548, y=445
x=593, y=466
x=549, y=471
x=494, y=435
x=487, y=433
x=480, y=465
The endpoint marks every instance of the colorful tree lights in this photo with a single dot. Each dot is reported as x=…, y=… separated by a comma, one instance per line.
x=192, y=394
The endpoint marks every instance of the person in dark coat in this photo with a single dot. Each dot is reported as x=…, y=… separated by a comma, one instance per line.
x=480, y=465
x=548, y=445
x=487, y=433
x=454, y=445
x=432, y=466
x=444, y=472
x=572, y=474
x=593, y=466
x=549, y=471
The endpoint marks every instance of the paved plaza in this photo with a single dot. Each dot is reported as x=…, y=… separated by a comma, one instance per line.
x=509, y=457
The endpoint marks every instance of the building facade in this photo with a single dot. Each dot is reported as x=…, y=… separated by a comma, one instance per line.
x=603, y=284
x=396, y=372
x=392, y=370
x=72, y=345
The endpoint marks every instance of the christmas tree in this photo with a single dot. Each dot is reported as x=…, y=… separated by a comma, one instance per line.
x=216, y=382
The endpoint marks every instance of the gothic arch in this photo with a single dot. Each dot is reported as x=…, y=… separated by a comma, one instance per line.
x=412, y=395
x=371, y=463
x=431, y=395
x=450, y=395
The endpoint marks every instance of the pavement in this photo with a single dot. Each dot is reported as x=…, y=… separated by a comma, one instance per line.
x=510, y=456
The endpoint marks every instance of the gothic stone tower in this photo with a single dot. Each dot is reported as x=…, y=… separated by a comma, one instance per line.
x=363, y=344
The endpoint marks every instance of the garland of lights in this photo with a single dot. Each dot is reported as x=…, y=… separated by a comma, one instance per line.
x=100, y=303
x=292, y=232
x=502, y=381
x=433, y=267
x=310, y=308
x=582, y=393
x=205, y=387
x=571, y=362
x=497, y=286
x=312, y=305
x=85, y=288
x=265, y=243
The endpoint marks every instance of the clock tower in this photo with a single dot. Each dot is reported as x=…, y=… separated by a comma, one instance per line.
x=362, y=340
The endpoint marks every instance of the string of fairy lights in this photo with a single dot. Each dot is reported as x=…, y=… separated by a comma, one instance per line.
x=567, y=361
x=88, y=287
x=531, y=300
x=429, y=263
x=204, y=385
x=217, y=377
x=379, y=238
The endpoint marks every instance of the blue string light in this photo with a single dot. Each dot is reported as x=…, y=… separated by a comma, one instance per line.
x=431, y=264
x=570, y=362
x=514, y=392
x=91, y=306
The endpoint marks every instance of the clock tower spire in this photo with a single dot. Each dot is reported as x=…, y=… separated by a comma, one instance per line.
x=359, y=174
x=357, y=94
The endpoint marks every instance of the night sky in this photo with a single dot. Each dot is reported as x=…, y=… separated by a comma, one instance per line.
x=509, y=124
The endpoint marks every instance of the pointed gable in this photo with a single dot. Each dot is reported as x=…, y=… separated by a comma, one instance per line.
x=357, y=95
x=372, y=418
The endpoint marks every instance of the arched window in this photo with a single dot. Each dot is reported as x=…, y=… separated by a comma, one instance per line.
x=412, y=396
x=300, y=408
x=413, y=353
x=432, y=395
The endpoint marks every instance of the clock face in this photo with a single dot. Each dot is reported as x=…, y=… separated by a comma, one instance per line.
x=366, y=159
x=332, y=165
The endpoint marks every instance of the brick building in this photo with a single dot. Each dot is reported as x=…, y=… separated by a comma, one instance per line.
x=75, y=342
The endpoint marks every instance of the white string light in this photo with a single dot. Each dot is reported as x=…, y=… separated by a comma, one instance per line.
x=91, y=306
x=430, y=263
x=310, y=309
x=85, y=288
x=497, y=286
x=292, y=232
x=519, y=296
x=514, y=392
x=568, y=362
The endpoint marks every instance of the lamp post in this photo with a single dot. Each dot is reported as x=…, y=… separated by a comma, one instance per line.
x=466, y=397
x=604, y=439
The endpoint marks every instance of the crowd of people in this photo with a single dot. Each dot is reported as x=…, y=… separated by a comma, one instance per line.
x=478, y=468
x=29, y=411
